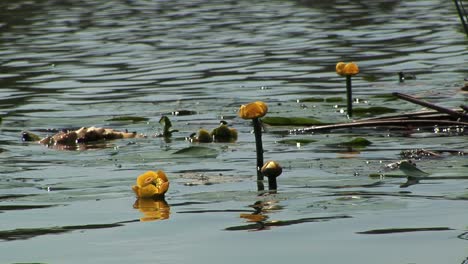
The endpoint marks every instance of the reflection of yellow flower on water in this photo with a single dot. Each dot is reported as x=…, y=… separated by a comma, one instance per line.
x=254, y=217
x=151, y=184
x=253, y=110
x=153, y=209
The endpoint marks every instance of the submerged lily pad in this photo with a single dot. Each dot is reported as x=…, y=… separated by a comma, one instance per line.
x=290, y=121
x=28, y=136
x=410, y=170
x=334, y=99
x=386, y=97
x=319, y=100
x=197, y=151
x=295, y=141
x=403, y=230
x=374, y=110
x=357, y=142
x=27, y=233
x=133, y=119
x=312, y=100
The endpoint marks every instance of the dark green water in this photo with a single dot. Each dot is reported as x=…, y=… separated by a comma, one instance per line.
x=68, y=64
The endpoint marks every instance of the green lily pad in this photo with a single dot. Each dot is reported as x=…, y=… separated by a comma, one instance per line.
x=28, y=136
x=374, y=110
x=319, y=100
x=133, y=119
x=312, y=100
x=386, y=97
x=370, y=78
x=410, y=170
x=380, y=175
x=334, y=99
x=197, y=151
x=295, y=141
x=290, y=121
x=357, y=142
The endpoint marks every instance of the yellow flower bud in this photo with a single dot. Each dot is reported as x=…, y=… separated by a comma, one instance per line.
x=253, y=110
x=340, y=68
x=204, y=136
x=351, y=69
x=151, y=184
x=271, y=169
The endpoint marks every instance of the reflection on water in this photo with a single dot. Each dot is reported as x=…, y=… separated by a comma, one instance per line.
x=124, y=64
x=152, y=209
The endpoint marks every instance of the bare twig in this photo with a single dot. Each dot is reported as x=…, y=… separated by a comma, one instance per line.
x=432, y=106
x=379, y=123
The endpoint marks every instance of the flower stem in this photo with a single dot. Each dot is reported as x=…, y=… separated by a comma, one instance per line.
x=349, y=96
x=272, y=186
x=259, y=147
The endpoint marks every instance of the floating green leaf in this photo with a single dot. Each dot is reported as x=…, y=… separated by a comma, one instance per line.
x=28, y=136
x=295, y=141
x=26, y=233
x=374, y=110
x=290, y=121
x=370, y=78
x=380, y=175
x=402, y=230
x=386, y=97
x=319, y=100
x=357, y=142
x=334, y=99
x=410, y=170
x=167, y=125
x=133, y=119
x=197, y=151
x=312, y=100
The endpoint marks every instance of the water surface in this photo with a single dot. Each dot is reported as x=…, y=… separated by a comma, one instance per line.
x=68, y=64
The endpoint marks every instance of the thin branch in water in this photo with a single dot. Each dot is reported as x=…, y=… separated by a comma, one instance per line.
x=441, y=109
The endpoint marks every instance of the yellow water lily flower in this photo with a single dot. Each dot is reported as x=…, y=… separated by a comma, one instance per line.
x=151, y=184
x=253, y=110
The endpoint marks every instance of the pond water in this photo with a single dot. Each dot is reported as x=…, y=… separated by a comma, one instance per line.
x=68, y=64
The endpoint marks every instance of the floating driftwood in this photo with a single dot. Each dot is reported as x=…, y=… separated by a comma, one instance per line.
x=69, y=139
x=443, y=117
x=441, y=109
